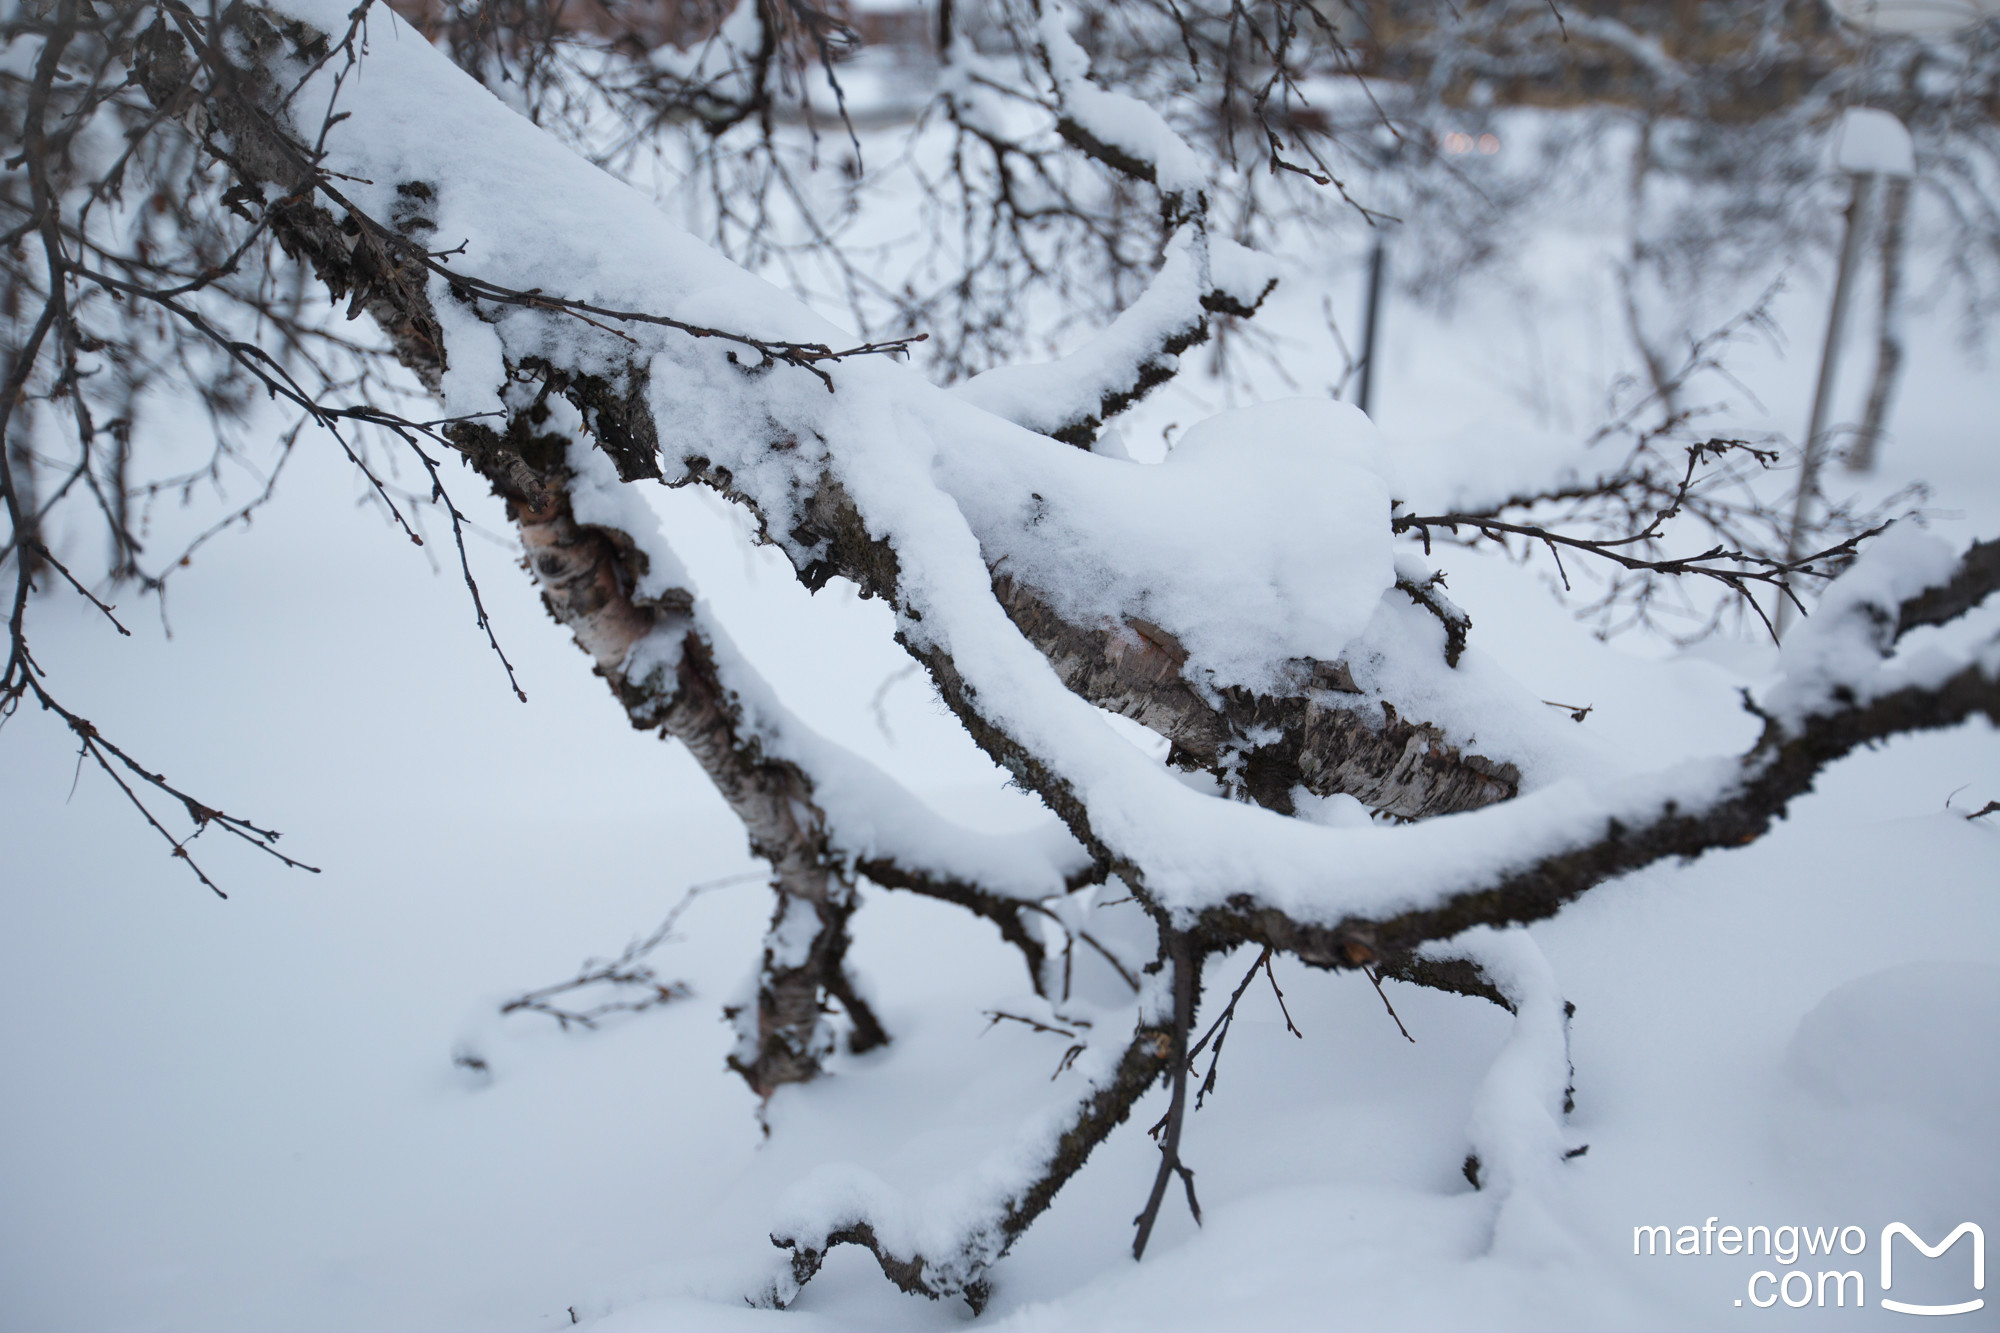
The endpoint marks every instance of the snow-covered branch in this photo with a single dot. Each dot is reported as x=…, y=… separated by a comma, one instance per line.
x=817, y=814
x=1839, y=694
x=1245, y=598
x=647, y=389
x=949, y=1250
x=1115, y=128
x=1071, y=398
x=1516, y=1132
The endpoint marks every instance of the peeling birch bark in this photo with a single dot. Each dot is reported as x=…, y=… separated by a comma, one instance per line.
x=586, y=574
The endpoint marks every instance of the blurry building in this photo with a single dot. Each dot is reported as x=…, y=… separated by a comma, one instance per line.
x=1730, y=60
x=895, y=26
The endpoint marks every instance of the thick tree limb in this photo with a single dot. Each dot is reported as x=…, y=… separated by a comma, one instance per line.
x=1323, y=740
x=1976, y=579
x=1781, y=768
x=585, y=575
x=1406, y=768
x=588, y=575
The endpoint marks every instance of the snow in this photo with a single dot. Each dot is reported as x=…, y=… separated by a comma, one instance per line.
x=1872, y=141
x=1483, y=465
x=1838, y=652
x=1919, y=1040
x=1226, y=545
x=869, y=813
x=1116, y=120
x=1046, y=398
x=1516, y=1130
x=716, y=61
x=244, y=1115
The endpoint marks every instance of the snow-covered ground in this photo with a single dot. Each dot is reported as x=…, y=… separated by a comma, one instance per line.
x=245, y=1114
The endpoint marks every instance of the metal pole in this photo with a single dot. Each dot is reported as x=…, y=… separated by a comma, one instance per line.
x=1829, y=362
x=1889, y=333
x=1377, y=262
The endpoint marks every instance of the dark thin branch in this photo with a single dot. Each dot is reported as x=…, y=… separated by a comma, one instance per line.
x=627, y=972
x=1375, y=980
x=1186, y=963
x=997, y=1016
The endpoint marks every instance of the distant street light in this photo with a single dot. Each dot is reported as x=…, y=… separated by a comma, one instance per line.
x=1867, y=144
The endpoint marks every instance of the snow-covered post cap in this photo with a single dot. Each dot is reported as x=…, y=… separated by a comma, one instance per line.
x=1871, y=142
x=1916, y=18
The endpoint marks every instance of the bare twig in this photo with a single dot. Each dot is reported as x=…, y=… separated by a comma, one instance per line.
x=1375, y=980
x=1186, y=963
x=627, y=973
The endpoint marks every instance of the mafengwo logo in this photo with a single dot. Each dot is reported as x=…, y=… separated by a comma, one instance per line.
x=1895, y=1229
x=1801, y=1287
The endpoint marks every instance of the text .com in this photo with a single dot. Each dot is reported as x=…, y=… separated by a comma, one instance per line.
x=1822, y=1281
